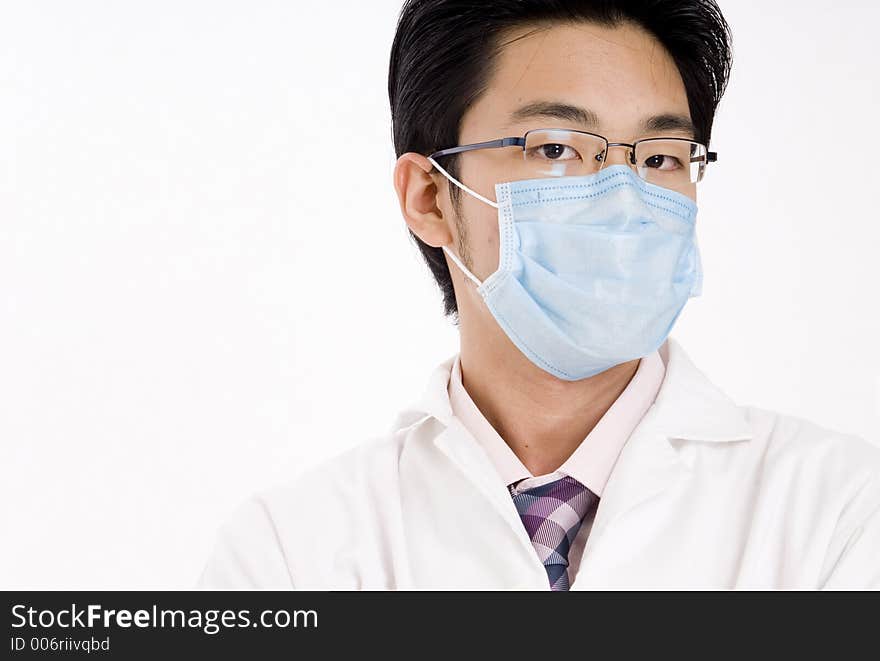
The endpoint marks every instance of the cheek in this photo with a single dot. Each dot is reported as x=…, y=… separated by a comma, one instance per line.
x=478, y=231
x=480, y=219
x=483, y=240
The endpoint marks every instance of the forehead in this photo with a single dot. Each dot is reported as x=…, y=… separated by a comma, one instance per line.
x=621, y=74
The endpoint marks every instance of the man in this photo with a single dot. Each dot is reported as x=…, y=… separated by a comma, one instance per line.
x=549, y=156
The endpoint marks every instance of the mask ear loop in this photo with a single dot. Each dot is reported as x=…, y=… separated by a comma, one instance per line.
x=451, y=254
x=463, y=268
x=462, y=186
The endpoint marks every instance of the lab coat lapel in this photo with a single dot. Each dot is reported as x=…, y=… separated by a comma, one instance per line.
x=463, y=450
x=647, y=467
x=688, y=408
x=470, y=459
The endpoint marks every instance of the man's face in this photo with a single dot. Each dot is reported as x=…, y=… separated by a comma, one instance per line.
x=620, y=75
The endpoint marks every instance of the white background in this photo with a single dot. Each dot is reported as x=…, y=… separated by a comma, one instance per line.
x=206, y=285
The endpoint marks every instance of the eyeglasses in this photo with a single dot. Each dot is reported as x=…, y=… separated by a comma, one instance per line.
x=674, y=163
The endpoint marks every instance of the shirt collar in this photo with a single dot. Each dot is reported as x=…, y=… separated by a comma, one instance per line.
x=593, y=459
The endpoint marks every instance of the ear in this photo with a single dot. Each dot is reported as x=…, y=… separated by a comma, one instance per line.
x=417, y=193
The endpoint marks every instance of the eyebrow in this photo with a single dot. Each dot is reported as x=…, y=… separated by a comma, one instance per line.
x=589, y=119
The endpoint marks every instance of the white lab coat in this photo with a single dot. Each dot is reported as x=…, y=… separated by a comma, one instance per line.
x=705, y=494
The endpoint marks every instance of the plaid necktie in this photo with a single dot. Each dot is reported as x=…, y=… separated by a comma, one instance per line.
x=552, y=514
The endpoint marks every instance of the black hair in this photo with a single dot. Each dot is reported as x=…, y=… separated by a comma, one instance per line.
x=443, y=54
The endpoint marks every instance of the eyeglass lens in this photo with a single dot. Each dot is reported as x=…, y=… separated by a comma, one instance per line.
x=675, y=164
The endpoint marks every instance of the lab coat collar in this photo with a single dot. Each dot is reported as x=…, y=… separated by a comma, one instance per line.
x=691, y=407
x=688, y=405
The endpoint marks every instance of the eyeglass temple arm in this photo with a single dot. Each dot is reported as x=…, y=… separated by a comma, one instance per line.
x=489, y=144
x=710, y=156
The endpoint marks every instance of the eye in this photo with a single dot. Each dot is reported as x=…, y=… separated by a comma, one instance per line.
x=662, y=162
x=553, y=151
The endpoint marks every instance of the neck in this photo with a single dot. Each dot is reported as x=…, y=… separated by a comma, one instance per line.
x=541, y=417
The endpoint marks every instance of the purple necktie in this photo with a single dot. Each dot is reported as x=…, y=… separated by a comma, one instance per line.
x=552, y=514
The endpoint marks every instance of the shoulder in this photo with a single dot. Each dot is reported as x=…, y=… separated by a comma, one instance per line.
x=246, y=553
x=342, y=476
x=356, y=481
x=797, y=441
x=273, y=537
x=811, y=462
x=375, y=459
x=830, y=479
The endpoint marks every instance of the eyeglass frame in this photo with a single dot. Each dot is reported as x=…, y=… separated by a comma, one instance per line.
x=711, y=156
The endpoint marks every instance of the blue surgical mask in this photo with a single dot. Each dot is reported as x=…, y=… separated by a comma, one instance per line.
x=593, y=270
